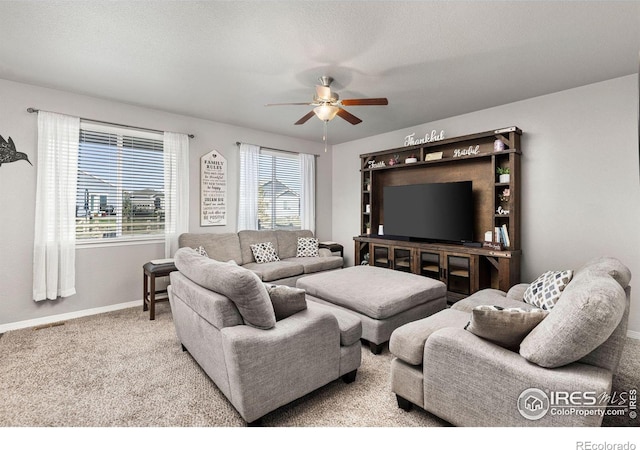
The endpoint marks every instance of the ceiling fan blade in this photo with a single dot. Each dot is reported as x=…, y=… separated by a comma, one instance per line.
x=365, y=101
x=323, y=92
x=353, y=120
x=306, y=117
x=281, y=104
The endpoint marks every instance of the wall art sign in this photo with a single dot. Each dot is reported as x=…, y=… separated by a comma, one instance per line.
x=458, y=152
x=9, y=154
x=373, y=164
x=213, y=189
x=432, y=136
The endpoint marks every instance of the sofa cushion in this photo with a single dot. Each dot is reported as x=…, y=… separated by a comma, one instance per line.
x=586, y=314
x=288, y=241
x=350, y=325
x=248, y=237
x=313, y=264
x=243, y=287
x=275, y=270
x=545, y=290
x=219, y=246
x=213, y=307
x=307, y=246
x=286, y=300
x=407, y=341
x=610, y=266
x=506, y=327
x=264, y=252
x=489, y=297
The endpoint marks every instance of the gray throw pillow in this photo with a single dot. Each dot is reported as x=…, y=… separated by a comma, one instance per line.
x=286, y=300
x=588, y=312
x=307, y=246
x=506, y=327
x=243, y=287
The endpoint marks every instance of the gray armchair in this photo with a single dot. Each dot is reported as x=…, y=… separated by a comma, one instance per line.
x=472, y=381
x=224, y=317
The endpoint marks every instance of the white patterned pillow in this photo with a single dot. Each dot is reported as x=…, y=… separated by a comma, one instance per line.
x=307, y=246
x=545, y=291
x=264, y=252
x=201, y=251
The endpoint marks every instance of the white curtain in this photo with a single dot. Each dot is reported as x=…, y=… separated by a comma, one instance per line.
x=54, y=256
x=176, y=189
x=308, y=192
x=248, y=203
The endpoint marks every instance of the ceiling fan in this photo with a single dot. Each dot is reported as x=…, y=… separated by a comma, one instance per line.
x=328, y=104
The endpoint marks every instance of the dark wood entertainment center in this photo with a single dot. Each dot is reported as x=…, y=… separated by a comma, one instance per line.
x=464, y=269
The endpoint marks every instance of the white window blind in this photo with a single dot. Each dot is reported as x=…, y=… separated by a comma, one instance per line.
x=120, y=193
x=279, y=184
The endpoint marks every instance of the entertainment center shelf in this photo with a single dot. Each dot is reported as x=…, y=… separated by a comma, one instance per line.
x=479, y=158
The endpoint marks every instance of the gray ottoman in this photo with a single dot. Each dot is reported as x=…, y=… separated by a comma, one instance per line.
x=383, y=299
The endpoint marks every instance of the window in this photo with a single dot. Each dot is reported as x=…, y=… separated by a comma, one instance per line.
x=279, y=184
x=120, y=190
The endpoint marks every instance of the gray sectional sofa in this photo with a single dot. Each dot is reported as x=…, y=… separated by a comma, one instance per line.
x=236, y=247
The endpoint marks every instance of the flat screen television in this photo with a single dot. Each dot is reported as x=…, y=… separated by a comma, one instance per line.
x=431, y=212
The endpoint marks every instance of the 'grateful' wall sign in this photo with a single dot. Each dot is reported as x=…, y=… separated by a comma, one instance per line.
x=433, y=136
x=213, y=189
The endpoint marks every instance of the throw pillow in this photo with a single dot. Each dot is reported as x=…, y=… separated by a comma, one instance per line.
x=201, y=251
x=592, y=307
x=286, y=300
x=264, y=252
x=307, y=246
x=545, y=291
x=506, y=327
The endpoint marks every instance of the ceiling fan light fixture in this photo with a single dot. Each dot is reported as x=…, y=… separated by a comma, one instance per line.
x=326, y=112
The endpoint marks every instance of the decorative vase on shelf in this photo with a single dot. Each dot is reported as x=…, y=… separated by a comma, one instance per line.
x=504, y=178
x=498, y=145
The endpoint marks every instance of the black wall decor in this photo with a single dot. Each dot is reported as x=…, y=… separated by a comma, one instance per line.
x=8, y=153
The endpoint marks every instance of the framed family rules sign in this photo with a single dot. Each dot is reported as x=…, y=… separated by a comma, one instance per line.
x=213, y=189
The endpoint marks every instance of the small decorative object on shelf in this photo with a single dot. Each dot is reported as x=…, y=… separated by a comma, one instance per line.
x=503, y=212
x=498, y=145
x=393, y=161
x=503, y=174
x=380, y=230
x=411, y=159
x=505, y=195
x=373, y=164
x=433, y=156
x=493, y=245
x=367, y=208
x=368, y=228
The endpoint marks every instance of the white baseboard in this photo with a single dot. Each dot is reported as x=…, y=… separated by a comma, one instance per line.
x=633, y=334
x=67, y=316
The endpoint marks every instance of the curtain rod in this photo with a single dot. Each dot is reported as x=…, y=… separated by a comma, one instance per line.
x=276, y=149
x=34, y=110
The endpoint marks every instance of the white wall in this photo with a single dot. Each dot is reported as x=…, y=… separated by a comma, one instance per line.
x=111, y=275
x=580, y=176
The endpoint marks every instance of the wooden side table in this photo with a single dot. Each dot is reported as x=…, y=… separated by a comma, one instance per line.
x=332, y=246
x=150, y=296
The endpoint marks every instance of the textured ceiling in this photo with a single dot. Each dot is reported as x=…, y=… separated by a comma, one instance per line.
x=224, y=60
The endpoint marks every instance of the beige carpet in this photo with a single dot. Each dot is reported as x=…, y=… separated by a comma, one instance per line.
x=120, y=369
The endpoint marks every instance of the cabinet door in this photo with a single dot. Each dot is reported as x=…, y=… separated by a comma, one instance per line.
x=430, y=264
x=381, y=257
x=459, y=274
x=402, y=259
